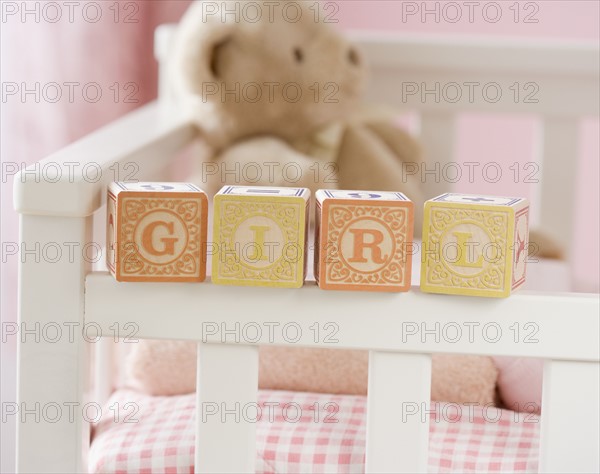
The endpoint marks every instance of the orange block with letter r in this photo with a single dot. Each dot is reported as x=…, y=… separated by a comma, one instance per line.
x=156, y=231
x=363, y=240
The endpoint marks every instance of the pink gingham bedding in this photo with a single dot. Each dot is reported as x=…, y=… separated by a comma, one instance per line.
x=306, y=432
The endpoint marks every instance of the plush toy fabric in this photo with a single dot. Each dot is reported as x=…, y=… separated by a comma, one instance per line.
x=279, y=92
x=169, y=368
x=520, y=383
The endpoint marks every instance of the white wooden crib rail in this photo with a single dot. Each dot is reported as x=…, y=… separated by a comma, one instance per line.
x=58, y=212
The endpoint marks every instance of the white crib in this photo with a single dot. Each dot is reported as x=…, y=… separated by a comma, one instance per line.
x=68, y=291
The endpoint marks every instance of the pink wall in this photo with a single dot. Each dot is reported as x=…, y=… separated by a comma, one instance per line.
x=564, y=19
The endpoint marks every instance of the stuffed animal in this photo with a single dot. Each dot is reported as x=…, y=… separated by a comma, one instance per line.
x=285, y=90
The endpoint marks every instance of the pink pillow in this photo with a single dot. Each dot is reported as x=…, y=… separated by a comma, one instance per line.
x=520, y=383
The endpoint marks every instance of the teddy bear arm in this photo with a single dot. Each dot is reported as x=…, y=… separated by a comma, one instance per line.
x=371, y=158
x=257, y=161
x=400, y=142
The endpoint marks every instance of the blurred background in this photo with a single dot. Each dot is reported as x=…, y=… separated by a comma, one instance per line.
x=107, y=47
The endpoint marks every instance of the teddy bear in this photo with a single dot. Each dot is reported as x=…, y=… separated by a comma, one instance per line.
x=270, y=86
x=285, y=89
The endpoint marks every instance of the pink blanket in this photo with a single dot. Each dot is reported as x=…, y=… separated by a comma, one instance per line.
x=306, y=432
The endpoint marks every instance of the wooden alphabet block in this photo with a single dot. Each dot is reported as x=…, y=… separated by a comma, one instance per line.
x=363, y=240
x=156, y=231
x=260, y=236
x=474, y=245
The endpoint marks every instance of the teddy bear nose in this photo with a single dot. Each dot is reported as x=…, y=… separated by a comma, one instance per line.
x=353, y=57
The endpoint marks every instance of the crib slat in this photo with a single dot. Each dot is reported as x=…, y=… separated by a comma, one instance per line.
x=52, y=360
x=558, y=180
x=226, y=397
x=163, y=37
x=570, y=434
x=398, y=401
x=103, y=370
x=438, y=134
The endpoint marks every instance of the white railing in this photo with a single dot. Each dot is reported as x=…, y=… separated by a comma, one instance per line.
x=66, y=292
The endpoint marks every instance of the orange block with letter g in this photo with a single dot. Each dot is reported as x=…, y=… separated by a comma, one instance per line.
x=156, y=232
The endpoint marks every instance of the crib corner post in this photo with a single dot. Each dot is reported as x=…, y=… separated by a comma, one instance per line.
x=52, y=371
x=570, y=435
x=398, y=412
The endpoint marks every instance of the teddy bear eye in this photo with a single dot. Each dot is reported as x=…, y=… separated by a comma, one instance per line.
x=298, y=55
x=353, y=57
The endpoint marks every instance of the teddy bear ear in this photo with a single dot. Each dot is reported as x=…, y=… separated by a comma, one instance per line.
x=215, y=54
x=212, y=41
x=197, y=47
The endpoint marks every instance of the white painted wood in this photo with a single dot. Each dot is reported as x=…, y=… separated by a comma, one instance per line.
x=461, y=53
x=52, y=366
x=560, y=160
x=437, y=133
x=570, y=432
x=72, y=182
x=104, y=373
x=536, y=321
x=105, y=350
x=163, y=36
x=398, y=412
x=480, y=53
x=500, y=92
x=226, y=408
x=563, y=76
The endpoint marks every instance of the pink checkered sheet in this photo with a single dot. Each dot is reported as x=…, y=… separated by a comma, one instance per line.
x=306, y=432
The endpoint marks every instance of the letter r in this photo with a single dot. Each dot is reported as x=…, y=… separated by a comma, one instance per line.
x=358, y=255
